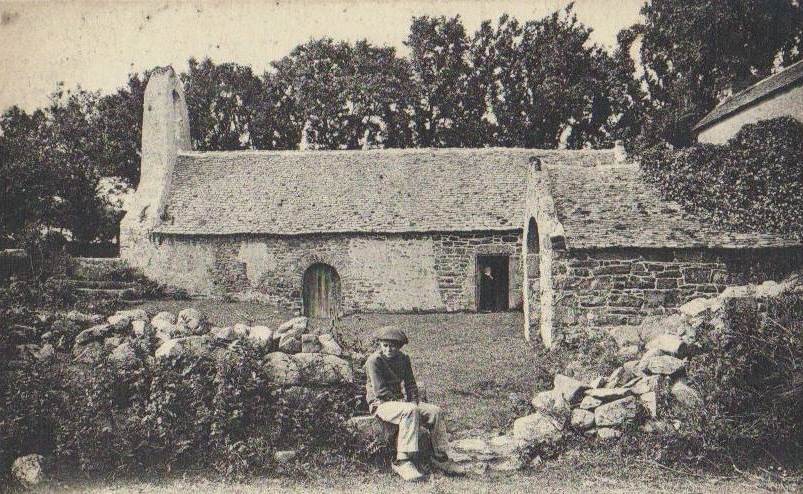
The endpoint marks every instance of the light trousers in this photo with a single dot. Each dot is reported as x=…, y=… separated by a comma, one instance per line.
x=409, y=417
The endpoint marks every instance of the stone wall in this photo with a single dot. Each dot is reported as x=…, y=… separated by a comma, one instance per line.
x=378, y=272
x=621, y=286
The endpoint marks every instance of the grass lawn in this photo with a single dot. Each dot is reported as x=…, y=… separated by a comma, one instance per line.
x=469, y=364
x=575, y=472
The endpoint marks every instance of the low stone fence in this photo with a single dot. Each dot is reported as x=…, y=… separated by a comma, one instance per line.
x=658, y=351
x=293, y=356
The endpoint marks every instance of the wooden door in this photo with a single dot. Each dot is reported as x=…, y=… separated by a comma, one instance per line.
x=321, y=291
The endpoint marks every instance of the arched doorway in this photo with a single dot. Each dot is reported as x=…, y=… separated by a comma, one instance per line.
x=321, y=291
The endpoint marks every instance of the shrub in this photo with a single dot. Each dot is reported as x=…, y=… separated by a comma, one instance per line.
x=751, y=384
x=218, y=410
x=752, y=183
x=584, y=354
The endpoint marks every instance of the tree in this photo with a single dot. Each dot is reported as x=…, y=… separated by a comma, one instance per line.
x=449, y=106
x=26, y=186
x=694, y=55
x=119, y=122
x=547, y=86
x=222, y=100
x=345, y=94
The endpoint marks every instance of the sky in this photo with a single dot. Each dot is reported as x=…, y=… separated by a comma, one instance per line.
x=96, y=44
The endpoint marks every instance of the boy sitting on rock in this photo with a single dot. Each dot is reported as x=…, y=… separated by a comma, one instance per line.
x=389, y=373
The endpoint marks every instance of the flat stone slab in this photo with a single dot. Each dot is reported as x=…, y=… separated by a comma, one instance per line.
x=608, y=394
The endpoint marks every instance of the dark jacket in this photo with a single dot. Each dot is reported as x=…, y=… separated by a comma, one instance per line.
x=385, y=379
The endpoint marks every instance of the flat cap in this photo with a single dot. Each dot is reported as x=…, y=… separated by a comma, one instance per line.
x=391, y=333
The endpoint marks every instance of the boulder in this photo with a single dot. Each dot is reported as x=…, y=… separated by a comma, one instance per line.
x=282, y=369
x=95, y=333
x=696, y=307
x=297, y=323
x=608, y=394
x=29, y=470
x=617, y=378
x=367, y=427
x=582, y=419
x=88, y=353
x=506, y=445
x=590, y=403
x=285, y=456
x=606, y=433
x=168, y=349
x=471, y=446
x=112, y=343
x=597, y=382
x=632, y=367
x=82, y=318
x=650, y=402
x=163, y=320
x=770, y=289
x=329, y=345
x=124, y=355
x=321, y=370
x=629, y=352
x=685, y=394
x=289, y=344
x=241, y=330
x=670, y=344
x=550, y=401
x=643, y=363
x=571, y=389
x=646, y=384
x=138, y=327
x=310, y=344
x=261, y=336
x=616, y=412
x=625, y=335
x=537, y=428
x=121, y=320
x=224, y=334
x=664, y=364
x=193, y=320
x=652, y=326
x=47, y=352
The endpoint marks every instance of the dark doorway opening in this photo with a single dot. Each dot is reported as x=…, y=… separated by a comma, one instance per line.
x=321, y=292
x=493, y=287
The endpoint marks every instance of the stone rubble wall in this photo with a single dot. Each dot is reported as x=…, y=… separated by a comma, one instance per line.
x=378, y=272
x=604, y=288
x=659, y=350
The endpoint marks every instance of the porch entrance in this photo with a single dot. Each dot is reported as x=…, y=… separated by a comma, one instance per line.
x=321, y=292
x=493, y=286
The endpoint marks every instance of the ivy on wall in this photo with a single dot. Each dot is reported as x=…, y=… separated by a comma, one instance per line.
x=754, y=183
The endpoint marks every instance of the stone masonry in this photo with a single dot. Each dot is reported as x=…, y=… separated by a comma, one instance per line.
x=622, y=286
x=392, y=273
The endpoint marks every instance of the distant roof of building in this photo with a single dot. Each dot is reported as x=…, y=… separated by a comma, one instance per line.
x=612, y=206
x=387, y=191
x=753, y=94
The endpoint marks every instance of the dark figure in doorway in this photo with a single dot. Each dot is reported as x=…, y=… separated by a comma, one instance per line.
x=488, y=295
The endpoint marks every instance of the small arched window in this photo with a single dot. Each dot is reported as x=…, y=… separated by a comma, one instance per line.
x=533, y=246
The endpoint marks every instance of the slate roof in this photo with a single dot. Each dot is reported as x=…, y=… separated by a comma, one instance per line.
x=412, y=190
x=611, y=206
x=753, y=94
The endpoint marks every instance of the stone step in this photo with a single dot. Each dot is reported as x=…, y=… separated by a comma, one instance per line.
x=99, y=284
x=105, y=293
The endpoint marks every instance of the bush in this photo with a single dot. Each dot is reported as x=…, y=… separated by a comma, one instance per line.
x=751, y=383
x=752, y=183
x=584, y=354
x=218, y=410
